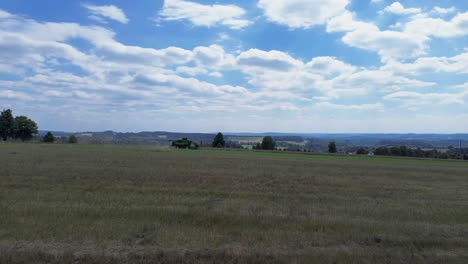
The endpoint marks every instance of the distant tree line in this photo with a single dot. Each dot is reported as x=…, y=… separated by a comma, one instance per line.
x=404, y=151
x=219, y=142
x=20, y=127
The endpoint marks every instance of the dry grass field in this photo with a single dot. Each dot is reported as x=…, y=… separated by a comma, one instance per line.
x=116, y=204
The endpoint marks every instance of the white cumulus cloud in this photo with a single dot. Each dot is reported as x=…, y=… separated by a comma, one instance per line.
x=398, y=9
x=411, y=41
x=204, y=15
x=301, y=13
x=106, y=12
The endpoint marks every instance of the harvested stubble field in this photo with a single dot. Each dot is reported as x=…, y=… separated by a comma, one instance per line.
x=115, y=204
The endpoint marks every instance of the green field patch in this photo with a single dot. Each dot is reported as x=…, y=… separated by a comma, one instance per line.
x=359, y=158
x=243, y=140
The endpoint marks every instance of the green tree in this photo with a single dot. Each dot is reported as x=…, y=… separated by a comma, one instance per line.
x=258, y=146
x=7, y=123
x=49, y=138
x=362, y=151
x=404, y=151
x=24, y=128
x=218, y=141
x=395, y=151
x=268, y=143
x=72, y=139
x=382, y=151
x=332, y=147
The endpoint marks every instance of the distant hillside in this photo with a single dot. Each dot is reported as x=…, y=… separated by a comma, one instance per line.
x=141, y=138
x=289, y=140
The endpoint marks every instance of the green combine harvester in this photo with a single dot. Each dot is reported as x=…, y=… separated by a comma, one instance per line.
x=184, y=144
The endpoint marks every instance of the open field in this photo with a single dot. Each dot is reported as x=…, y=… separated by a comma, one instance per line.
x=115, y=204
x=246, y=140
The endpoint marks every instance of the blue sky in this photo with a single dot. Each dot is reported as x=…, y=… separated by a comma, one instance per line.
x=239, y=66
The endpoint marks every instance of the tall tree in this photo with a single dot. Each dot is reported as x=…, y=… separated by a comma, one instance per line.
x=72, y=139
x=332, y=147
x=7, y=123
x=49, y=138
x=268, y=143
x=218, y=141
x=24, y=128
